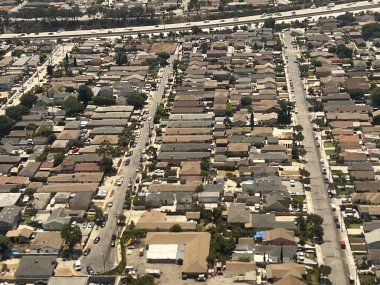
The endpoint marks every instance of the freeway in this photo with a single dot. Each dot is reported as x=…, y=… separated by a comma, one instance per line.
x=102, y=256
x=331, y=253
x=289, y=15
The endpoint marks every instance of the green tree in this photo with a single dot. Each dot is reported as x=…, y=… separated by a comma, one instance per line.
x=73, y=107
x=28, y=99
x=85, y=93
x=121, y=58
x=163, y=55
x=370, y=30
x=269, y=23
x=229, y=110
x=375, y=96
x=246, y=101
x=58, y=159
x=5, y=243
x=137, y=100
x=343, y=52
x=176, y=228
x=50, y=70
x=103, y=101
x=44, y=131
x=71, y=235
x=324, y=271
x=199, y=188
x=6, y=125
x=16, y=112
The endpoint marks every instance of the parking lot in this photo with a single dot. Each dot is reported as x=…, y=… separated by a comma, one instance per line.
x=171, y=273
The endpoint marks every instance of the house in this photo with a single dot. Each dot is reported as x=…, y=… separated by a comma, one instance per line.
x=276, y=253
x=289, y=280
x=179, y=248
x=208, y=197
x=279, y=237
x=278, y=202
x=372, y=239
x=10, y=217
x=156, y=200
x=20, y=235
x=35, y=268
x=60, y=217
x=81, y=201
x=153, y=220
x=46, y=243
x=276, y=272
x=238, y=214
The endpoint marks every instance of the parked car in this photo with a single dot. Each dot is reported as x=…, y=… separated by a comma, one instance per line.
x=86, y=251
x=90, y=271
x=96, y=240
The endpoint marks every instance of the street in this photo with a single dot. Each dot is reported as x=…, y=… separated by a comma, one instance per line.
x=35, y=79
x=332, y=255
x=103, y=256
x=228, y=22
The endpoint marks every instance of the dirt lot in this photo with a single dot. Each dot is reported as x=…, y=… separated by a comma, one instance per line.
x=160, y=47
x=171, y=273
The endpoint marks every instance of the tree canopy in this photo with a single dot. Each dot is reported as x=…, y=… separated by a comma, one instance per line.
x=375, y=96
x=246, y=101
x=28, y=99
x=6, y=125
x=85, y=93
x=73, y=107
x=137, y=100
x=16, y=112
x=71, y=235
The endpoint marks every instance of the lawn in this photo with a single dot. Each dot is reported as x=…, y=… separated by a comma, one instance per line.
x=329, y=151
x=328, y=145
x=27, y=220
x=367, y=279
x=355, y=226
x=358, y=247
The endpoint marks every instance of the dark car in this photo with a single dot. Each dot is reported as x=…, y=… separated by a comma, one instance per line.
x=90, y=271
x=96, y=240
x=103, y=224
x=113, y=236
x=86, y=251
x=113, y=243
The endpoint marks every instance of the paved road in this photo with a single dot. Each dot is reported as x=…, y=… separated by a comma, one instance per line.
x=289, y=15
x=333, y=256
x=57, y=55
x=102, y=256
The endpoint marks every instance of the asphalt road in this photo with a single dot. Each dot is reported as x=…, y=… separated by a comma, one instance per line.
x=289, y=15
x=333, y=256
x=35, y=79
x=103, y=256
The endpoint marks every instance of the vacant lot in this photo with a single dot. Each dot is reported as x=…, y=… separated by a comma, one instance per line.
x=160, y=47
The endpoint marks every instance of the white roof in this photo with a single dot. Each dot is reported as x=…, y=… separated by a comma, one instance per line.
x=163, y=251
x=8, y=199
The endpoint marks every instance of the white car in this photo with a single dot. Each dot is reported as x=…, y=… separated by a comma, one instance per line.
x=292, y=183
x=143, y=150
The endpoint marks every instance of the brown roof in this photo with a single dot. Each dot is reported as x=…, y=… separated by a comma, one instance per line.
x=47, y=239
x=289, y=280
x=278, y=271
x=197, y=248
x=87, y=167
x=278, y=233
x=236, y=268
x=190, y=168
